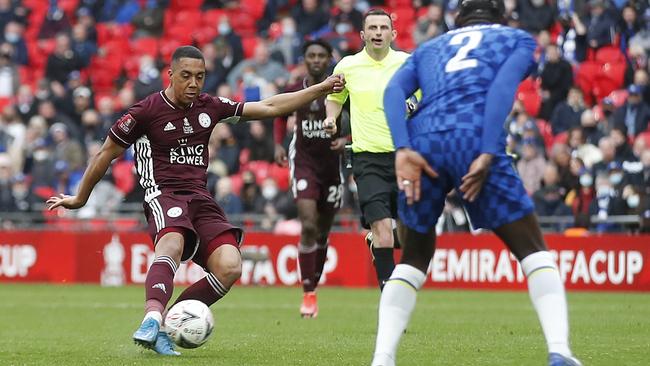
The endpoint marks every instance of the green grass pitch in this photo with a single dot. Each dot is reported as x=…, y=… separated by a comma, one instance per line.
x=90, y=325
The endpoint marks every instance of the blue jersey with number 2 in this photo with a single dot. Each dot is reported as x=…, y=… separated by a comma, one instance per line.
x=468, y=79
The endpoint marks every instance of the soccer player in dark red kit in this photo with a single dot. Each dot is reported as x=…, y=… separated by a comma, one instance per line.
x=316, y=182
x=170, y=130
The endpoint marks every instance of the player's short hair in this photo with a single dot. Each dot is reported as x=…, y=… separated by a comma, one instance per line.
x=187, y=52
x=319, y=42
x=480, y=11
x=376, y=11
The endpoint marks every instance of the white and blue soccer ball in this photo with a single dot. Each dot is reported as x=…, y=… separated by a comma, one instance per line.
x=189, y=323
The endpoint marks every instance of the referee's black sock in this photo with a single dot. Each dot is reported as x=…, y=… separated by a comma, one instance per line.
x=396, y=243
x=384, y=264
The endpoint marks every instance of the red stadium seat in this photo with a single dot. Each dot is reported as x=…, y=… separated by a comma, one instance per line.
x=204, y=35
x=145, y=46
x=211, y=18
x=546, y=132
x=586, y=77
x=253, y=7
x=180, y=33
x=185, y=5
x=609, y=54
x=618, y=97
x=249, y=44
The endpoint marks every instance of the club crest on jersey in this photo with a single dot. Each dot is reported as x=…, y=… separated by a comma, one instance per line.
x=187, y=128
x=169, y=127
x=205, y=120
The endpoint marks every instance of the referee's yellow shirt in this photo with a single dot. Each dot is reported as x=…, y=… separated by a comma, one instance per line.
x=366, y=80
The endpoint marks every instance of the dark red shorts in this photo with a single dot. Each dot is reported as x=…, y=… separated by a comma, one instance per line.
x=196, y=216
x=324, y=187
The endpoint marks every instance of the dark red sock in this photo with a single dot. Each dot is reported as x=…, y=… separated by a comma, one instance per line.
x=207, y=290
x=159, y=284
x=307, y=262
x=321, y=257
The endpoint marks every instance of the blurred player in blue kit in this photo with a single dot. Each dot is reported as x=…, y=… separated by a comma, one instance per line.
x=468, y=79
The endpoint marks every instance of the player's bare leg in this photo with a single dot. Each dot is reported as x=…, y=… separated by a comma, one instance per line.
x=524, y=238
x=399, y=294
x=159, y=286
x=307, y=253
x=382, y=249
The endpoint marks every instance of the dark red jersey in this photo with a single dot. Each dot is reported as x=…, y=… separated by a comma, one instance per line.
x=171, y=143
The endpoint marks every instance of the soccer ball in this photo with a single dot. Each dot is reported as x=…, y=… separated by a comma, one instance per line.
x=189, y=323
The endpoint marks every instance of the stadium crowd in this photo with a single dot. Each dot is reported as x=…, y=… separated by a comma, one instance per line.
x=70, y=68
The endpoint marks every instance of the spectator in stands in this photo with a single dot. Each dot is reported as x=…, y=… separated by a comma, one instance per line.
x=25, y=102
x=24, y=197
x=591, y=130
x=277, y=205
x=83, y=48
x=9, y=76
x=639, y=146
x=149, y=80
x=588, y=153
x=86, y=18
x=12, y=125
x=601, y=25
x=580, y=198
x=642, y=79
x=262, y=66
x=567, y=113
x=561, y=156
x=105, y=198
x=642, y=37
x=215, y=74
x=617, y=177
x=106, y=112
x=228, y=149
x=549, y=199
x=608, y=150
x=429, y=24
x=47, y=110
x=531, y=166
x=251, y=197
x=229, y=45
x=260, y=144
x=10, y=12
x=66, y=149
x=126, y=97
x=286, y=48
x=226, y=199
x=628, y=26
x=573, y=38
x=7, y=201
x=346, y=18
x=81, y=101
x=92, y=129
x=148, y=22
x=219, y=4
x=634, y=114
x=535, y=15
x=557, y=78
x=56, y=22
x=39, y=160
x=62, y=61
x=310, y=16
x=606, y=203
x=635, y=204
x=620, y=139
x=641, y=178
x=13, y=34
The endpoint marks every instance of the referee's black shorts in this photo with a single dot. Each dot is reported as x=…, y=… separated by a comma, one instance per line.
x=374, y=174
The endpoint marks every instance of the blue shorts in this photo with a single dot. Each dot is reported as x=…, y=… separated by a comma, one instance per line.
x=502, y=200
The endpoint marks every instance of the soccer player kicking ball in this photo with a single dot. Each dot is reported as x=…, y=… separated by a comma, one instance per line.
x=468, y=79
x=316, y=182
x=170, y=132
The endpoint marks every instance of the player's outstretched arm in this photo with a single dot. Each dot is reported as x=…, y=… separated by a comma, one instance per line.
x=285, y=103
x=94, y=172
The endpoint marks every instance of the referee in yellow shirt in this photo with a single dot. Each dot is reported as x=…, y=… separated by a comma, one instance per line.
x=367, y=73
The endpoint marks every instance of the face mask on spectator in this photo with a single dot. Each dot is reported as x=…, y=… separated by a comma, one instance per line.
x=633, y=201
x=615, y=178
x=269, y=192
x=586, y=180
x=12, y=37
x=224, y=28
x=603, y=192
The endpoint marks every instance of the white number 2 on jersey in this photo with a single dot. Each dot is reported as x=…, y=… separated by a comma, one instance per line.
x=460, y=60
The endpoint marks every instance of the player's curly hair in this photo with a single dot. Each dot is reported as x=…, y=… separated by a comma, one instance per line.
x=317, y=41
x=480, y=11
